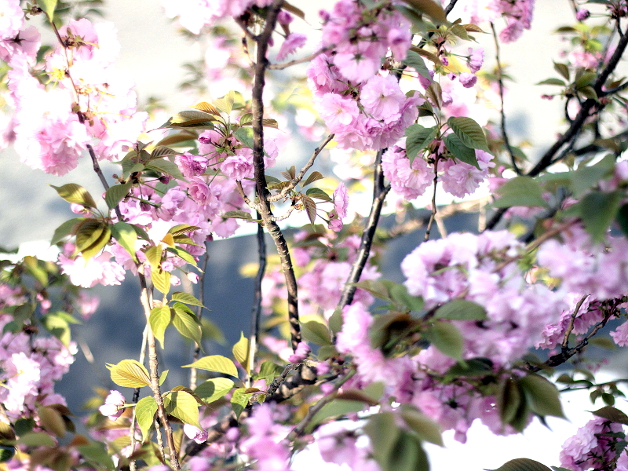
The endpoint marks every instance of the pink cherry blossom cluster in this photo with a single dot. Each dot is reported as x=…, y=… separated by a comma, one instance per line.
x=30, y=367
x=517, y=14
x=595, y=446
x=466, y=266
x=363, y=108
x=598, y=269
x=265, y=443
x=90, y=100
x=195, y=14
x=372, y=114
x=411, y=179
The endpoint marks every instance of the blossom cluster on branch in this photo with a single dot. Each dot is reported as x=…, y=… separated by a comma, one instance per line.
x=360, y=370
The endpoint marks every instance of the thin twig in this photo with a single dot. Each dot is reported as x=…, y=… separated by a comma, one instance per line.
x=299, y=429
x=500, y=82
x=565, y=344
x=574, y=129
x=153, y=367
x=299, y=177
x=285, y=65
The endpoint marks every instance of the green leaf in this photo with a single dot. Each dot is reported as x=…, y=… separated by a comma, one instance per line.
x=406, y=455
x=312, y=177
x=213, y=389
x=310, y=207
x=512, y=404
x=129, y=374
x=88, y=233
x=186, y=298
x=49, y=7
x=58, y=326
x=461, y=310
x=240, y=400
x=562, y=69
x=418, y=138
x=399, y=294
x=469, y=132
x=522, y=464
x=316, y=332
x=598, y=210
x=216, y=363
x=612, y=414
x=542, y=395
x=6, y=453
x=187, y=324
x=159, y=321
x=51, y=421
x=65, y=229
x=74, y=193
x=116, y=193
x=460, y=151
x=586, y=178
x=318, y=194
x=446, y=338
x=425, y=428
x=383, y=431
x=97, y=453
x=183, y=406
x=126, y=236
x=97, y=246
x=430, y=8
x=241, y=351
x=166, y=167
x=415, y=61
x=552, y=81
x=335, y=408
x=520, y=191
x=622, y=218
x=36, y=439
x=161, y=280
x=239, y=214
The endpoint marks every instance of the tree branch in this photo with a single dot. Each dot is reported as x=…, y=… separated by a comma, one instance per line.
x=380, y=191
x=260, y=178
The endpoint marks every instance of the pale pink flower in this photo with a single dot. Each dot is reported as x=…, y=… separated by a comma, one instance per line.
x=292, y=42
x=113, y=406
x=195, y=433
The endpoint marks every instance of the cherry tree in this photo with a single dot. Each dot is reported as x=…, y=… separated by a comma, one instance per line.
x=395, y=102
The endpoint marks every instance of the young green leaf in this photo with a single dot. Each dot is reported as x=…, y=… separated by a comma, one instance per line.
x=129, y=374
x=216, y=363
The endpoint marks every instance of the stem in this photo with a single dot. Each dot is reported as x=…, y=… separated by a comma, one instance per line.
x=306, y=167
x=260, y=178
x=576, y=125
x=434, y=209
x=153, y=365
x=199, y=314
x=500, y=82
x=299, y=429
x=380, y=190
x=257, y=301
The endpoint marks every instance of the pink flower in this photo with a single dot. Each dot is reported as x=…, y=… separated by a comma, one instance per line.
x=92, y=272
x=475, y=59
x=467, y=79
x=300, y=354
x=195, y=433
x=382, y=98
x=292, y=42
x=338, y=112
x=341, y=201
x=113, y=406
